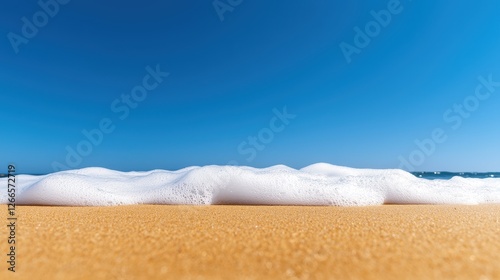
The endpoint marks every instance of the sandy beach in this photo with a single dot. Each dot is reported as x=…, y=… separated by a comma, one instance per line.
x=255, y=242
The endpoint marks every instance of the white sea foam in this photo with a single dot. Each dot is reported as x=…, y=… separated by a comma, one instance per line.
x=317, y=184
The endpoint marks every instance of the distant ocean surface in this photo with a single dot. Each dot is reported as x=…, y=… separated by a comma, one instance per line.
x=448, y=175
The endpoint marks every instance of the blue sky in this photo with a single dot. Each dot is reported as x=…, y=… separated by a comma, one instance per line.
x=232, y=79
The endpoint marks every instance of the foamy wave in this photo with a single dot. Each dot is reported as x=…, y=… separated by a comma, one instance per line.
x=317, y=184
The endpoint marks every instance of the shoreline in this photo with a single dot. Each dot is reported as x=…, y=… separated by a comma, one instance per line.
x=255, y=242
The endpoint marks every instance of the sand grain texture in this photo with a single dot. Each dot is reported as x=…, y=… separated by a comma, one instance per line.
x=255, y=242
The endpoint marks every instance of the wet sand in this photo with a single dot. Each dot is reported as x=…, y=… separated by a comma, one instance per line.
x=255, y=242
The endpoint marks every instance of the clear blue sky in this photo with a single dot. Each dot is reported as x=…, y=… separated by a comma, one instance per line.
x=228, y=78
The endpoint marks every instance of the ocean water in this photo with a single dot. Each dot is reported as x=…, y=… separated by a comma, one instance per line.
x=317, y=184
x=445, y=175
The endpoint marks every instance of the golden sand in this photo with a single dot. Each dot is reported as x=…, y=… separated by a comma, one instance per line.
x=255, y=242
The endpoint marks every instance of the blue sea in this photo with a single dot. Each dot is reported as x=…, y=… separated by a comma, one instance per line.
x=445, y=175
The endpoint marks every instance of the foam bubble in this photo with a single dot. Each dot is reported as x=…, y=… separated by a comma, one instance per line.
x=317, y=184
